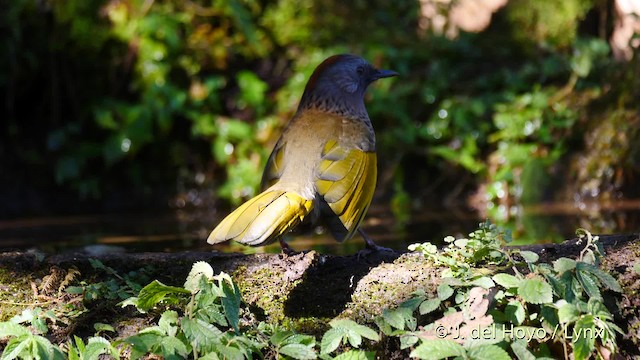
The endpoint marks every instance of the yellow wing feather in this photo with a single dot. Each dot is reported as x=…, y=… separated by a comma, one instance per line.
x=262, y=219
x=346, y=181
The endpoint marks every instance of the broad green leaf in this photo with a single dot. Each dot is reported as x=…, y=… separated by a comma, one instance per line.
x=605, y=278
x=514, y=311
x=155, y=292
x=199, y=269
x=549, y=316
x=99, y=327
x=535, y=291
x=564, y=264
x=17, y=346
x=583, y=337
x=408, y=340
x=437, y=349
x=229, y=352
x=300, y=339
x=172, y=347
x=589, y=284
x=399, y=317
x=356, y=355
x=412, y=303
x=331, y=340
x=210, y=356
x=429, y=305
x=298, y=351
x=507, y=281
x=279, y=336
x=567, y=312
x=231, y=304
x=487, y=352
x=9, y=329
x=484, y=282
x=529, y=256
x=383, y=325
x=41, y=348
x=597, y=308
x=444, y=292
x=559, y=286
x=519, y=348
x=352, y=326
x=354, y=339
x=202, y=335
x=141, y=344
x=95, y=349
x=168, y=322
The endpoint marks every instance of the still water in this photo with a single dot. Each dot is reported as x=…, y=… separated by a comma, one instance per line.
x=179, y=231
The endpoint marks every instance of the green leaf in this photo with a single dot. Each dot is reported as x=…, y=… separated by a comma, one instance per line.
x=300, y=339
x=519, y=348
x=383, y=325
x=199, y=269
x=10, y=329
x=231, y=304
x=156, y=292
x=507, y=281
x=487, y=352
x=352, y=326
x=202, y=335
x=141, y=344
x=168, y=322
x=605, y=278
x=484, y=282
x=567, y=312
x=17, y=346
x=515, y=312
x=564, y=264
x=438, y=349
x=331, y=340
x=444, y=292
x=173, y=348
x=356, y=355
x=298, y=351
x=535, y=291
x=100, y=327
x=41, y=348
x=399, y=317
x=549, y=316
x=93, y=350
x=529, y=256
x=412, y=303
x=589, y=284
x=252, y=88
x=583, y=337
x=429, y=305
x=408, y=340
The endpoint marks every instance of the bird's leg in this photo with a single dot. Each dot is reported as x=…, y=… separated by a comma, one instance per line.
x=286, y=249
x=370, y=245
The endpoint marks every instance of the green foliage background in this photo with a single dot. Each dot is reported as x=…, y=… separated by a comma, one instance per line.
x=121, y=104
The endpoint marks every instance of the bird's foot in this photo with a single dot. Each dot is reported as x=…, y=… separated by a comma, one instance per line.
x=370, y=245
x=286, y=249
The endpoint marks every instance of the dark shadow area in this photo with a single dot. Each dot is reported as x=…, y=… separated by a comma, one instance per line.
x=316, y=297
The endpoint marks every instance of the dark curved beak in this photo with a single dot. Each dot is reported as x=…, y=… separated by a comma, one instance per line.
x=379, y=74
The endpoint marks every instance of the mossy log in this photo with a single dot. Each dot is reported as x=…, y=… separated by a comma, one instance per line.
x=303, y=291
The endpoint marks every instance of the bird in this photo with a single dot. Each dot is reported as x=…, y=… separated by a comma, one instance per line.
x=322, y=169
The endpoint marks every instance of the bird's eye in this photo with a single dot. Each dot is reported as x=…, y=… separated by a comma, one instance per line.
x=360, y=70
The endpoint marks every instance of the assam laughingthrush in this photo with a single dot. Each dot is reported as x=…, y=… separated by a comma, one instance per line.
x=323, y=167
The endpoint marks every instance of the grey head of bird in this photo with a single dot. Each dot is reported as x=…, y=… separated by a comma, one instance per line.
x=338, y=85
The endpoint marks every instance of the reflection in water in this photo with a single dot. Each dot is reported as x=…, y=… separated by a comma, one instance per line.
x=542, y=223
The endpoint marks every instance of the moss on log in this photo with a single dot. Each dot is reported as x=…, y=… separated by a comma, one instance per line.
x=303, y=291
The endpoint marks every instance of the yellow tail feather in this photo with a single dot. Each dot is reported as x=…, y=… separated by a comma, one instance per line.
x=262, y=219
